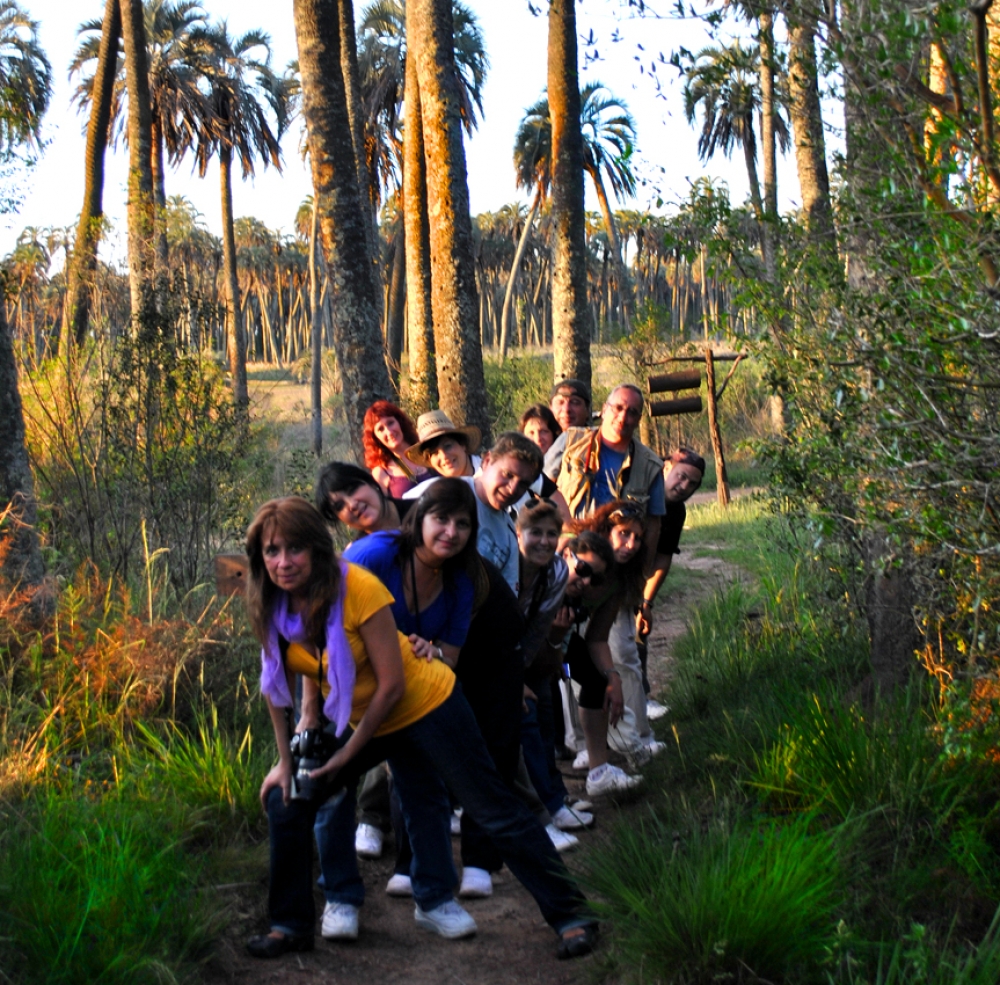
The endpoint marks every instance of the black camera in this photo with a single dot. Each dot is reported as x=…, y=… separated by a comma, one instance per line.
x=311, y=748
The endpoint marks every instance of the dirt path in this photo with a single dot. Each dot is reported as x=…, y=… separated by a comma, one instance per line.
x=513, y=945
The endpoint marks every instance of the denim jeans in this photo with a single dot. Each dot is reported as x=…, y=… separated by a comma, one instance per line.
x=443, y=747
x=538, y=745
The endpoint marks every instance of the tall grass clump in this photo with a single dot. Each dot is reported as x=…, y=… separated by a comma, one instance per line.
x=98, y=888
x=738, y=901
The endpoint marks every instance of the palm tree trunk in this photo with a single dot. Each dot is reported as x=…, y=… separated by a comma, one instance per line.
x=160, y=202
x=571, y=318
x=141, y=203
x=769, y=150
x=342, y=216
x=621, y=274
x=83, y=262
x=807, y=127
x=396, y=308
x=420, y=325
x=515, y=268
x=236, y=346
x=316, y=337
x=461, y=384
x=355, y=113
x=755, y=200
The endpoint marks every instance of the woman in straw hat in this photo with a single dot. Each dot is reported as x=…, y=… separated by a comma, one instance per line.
x=445, y=448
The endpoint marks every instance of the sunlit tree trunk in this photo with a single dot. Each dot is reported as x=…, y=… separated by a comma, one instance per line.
x=769, y=150
x=342, y=215
x=83, y=262
x=461, y=384
x=315, y=336
x=236, y=344
x=571, y=318
x=807, y=127
x=515, y=268
x=396, y=308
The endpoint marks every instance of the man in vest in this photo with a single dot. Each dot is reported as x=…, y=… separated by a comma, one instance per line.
x=593, y=466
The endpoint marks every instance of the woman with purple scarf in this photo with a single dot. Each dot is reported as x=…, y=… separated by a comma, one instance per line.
x=331, y=623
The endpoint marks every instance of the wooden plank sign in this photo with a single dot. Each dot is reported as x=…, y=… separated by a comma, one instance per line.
x=681, y=405
x=688, y=379
x=231, y=572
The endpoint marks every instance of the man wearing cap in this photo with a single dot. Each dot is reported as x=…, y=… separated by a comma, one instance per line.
x=682, y=475
x=593, y=466
x=570, y=404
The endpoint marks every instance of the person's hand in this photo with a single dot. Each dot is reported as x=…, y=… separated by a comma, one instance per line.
x=643, y=621
x=423, y=648
x=614, y=700
x=529, y=695
x=562, y=621
x=279, y=776
x=330, y=768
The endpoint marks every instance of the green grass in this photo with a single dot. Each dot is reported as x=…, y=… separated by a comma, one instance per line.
x=99, y=889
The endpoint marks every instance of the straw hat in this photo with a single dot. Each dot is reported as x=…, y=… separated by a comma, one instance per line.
x=434, y=424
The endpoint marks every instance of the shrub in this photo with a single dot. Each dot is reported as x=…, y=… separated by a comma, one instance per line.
x=513, y=387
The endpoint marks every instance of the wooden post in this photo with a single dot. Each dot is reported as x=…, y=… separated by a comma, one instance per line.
x=721, y=480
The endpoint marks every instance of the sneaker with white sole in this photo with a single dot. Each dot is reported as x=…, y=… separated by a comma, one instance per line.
x=610, y=779
x=456, y=823
x=449, y=920
x=368, y=841
x=654, y=710
x=399, y=885
x=568, y=819
x=476, y=883
x=645, y=751
x=582, y=761
x=562, y=840
x=581, y=805
x=340, y=922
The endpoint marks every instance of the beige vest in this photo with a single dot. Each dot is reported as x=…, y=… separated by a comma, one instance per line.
x=581, y=466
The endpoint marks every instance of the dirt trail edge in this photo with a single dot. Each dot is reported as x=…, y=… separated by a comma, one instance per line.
x=513, y=944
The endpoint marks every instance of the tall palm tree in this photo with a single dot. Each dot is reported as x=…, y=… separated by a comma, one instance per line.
x=723, y=82
x=571, y=316
x=24, y=97
x=249, y=112
x=178, y=49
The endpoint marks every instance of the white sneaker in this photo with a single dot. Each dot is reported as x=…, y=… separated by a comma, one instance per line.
x=476, y=883
x=654, y=747
x=562, y=840
x=340, y=922
x=645, y=751
x=581, y=805
x=368, y=841
x=568, y=819
x=582, y=761
x=449, y=920
x=610, y=779
x=456, y=823
x=399, y=885
x=655, y=710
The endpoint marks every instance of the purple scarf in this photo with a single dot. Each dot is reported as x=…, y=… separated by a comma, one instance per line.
x=340, y=669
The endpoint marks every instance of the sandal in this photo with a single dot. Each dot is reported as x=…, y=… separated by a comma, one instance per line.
x=274, y=944
x=577, y=941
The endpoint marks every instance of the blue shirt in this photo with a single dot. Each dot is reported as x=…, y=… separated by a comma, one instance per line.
x=446, y=619
x=605, y=485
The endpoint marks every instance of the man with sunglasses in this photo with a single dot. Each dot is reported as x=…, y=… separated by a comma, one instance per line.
x=593, y=466
x=682, y=475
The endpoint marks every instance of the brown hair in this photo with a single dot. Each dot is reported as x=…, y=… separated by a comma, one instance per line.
x=538, y=511
x=300, y=523
x=602, y=521
x=517, y=446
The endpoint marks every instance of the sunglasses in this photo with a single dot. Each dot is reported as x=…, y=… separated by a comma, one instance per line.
x=628, y=512
x=585, y=570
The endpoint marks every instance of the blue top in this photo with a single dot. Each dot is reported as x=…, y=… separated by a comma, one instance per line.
x=605, y=485
x=446, y=619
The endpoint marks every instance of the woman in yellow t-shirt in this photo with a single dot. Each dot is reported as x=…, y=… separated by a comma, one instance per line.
x=383, y=703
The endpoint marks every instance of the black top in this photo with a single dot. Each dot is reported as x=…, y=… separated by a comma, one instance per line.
x=671, y=525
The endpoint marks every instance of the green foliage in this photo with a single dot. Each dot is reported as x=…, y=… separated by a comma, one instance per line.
x=514, y=386
x=99, y=889
x=740, y=901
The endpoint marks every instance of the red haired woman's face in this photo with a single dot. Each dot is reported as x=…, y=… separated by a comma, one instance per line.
x=389, y=434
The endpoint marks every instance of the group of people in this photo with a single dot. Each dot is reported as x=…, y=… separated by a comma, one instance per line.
x=431, y=664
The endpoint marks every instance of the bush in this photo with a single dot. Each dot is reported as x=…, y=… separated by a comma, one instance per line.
x=513, y=387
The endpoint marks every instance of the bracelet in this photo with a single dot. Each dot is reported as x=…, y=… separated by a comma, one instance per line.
x=648, y=602
x=440, y=654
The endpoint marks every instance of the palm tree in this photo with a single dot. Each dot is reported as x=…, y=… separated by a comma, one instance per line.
x=178, y=49
x=724, y=83
x=571, y=317
x=249, y=112
x=24, y=97
x=461, y=384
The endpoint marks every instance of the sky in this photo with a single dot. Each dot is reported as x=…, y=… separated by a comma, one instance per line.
x=617, y=48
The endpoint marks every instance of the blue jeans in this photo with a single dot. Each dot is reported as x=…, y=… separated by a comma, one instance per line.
x=443, y=747
x=538, y=745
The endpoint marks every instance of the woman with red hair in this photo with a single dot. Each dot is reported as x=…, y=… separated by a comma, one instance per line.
x=388, y=432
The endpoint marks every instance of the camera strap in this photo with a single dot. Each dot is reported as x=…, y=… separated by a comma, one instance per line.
x=283, y=645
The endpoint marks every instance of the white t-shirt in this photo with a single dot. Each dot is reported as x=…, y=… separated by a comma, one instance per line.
x=417, y=490
x=497, y=540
